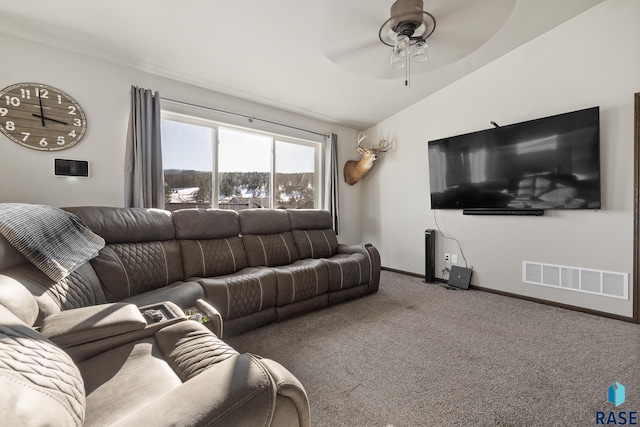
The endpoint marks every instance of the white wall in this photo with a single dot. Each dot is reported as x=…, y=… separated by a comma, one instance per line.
x=103, y=90
x=589, y=61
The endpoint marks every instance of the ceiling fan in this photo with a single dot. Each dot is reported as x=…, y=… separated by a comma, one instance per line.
x=407, y=19
x=349, y=31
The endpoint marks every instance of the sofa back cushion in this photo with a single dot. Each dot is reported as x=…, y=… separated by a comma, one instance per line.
x=141, y=253
x=267, y=237
x=17, y=299
x=127, y=269
x=316, y=243
x=79, y=289
x=40, y=383
x=213, y=257
x=127, y=225
x=9, y=255
x=205, y=224
x=313, y=234
x=210, y=242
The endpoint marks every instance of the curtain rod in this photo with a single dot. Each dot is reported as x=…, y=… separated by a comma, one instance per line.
x=250, y=118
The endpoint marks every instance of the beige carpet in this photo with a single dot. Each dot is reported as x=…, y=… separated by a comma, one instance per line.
x=420, y=355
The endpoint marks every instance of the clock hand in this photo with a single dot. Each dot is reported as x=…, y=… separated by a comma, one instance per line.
x=41, y=110
x=47, y=118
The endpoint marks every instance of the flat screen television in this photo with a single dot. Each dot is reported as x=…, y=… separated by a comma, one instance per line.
x=547, y=163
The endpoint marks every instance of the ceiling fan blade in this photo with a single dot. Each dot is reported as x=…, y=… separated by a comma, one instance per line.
x=349, y=36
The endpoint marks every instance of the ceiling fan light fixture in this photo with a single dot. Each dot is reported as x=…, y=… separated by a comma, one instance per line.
x=406, y=31
x=398, y=61
x=401, y=47
x=420, y=53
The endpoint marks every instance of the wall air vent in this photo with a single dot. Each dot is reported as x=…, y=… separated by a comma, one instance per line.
x=597, y=282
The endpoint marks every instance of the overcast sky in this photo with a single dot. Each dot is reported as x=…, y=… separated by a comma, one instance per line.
x=187, y=146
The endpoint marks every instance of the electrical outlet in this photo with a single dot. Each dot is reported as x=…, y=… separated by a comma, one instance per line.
x=454, y=258
x=447, y=257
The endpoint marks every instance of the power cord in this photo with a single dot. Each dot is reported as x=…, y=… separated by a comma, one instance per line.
x=447, y=269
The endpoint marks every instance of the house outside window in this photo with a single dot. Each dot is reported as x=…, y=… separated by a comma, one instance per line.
x=208, y=164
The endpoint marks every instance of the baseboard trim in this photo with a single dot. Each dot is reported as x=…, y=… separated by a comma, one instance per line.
x=527, y=298
x=406, y=273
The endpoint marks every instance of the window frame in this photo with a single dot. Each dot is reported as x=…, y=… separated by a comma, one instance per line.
x=215, y=126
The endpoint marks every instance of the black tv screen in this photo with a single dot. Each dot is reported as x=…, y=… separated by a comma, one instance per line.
x=548, y=163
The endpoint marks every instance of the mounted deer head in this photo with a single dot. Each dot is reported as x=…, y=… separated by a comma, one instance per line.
x=355, y=170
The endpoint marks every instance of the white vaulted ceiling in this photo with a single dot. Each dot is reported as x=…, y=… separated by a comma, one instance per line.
x=320, y=58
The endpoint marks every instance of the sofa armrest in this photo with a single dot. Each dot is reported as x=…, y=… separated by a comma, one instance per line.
x=237, y=391
x=87, y=331
x=352, y=249
x=215, y=323
x=376, y=267
x=288, y=388
x=371, y=252
x=81, y=325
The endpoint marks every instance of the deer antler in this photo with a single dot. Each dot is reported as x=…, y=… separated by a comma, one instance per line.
x=361, y=137
x=383, y=146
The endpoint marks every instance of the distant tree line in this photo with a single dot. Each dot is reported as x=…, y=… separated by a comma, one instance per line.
x=232, y=184
x=181, y=178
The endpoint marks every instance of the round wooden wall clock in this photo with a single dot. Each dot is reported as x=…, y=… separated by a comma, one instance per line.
x=41, y=117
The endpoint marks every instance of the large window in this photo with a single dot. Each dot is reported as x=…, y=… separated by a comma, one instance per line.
x=208, y=164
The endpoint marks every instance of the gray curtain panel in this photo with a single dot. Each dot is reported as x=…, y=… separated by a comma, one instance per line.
x=331, y=179
x=144, y=186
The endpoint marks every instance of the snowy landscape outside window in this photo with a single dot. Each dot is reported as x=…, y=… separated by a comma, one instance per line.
x=211, y=165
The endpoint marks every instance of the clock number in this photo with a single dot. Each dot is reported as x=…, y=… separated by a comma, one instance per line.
x=43, y=142
x=26, y=135
x=59, y=99
x=60, y=140
x=10, y=126
x=13, y=100
x=3, y=112
x=72, y=110
x=72, y=134
x=26, y=93
x=77, y=122
x=42, y=93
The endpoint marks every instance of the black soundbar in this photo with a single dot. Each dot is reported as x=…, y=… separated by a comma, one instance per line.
x=503, y=211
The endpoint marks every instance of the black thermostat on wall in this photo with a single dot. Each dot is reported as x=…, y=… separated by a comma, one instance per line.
x=66, y=167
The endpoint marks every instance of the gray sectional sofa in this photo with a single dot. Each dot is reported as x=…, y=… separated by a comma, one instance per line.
x=110, y=344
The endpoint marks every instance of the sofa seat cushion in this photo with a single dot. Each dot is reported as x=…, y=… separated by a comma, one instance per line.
x=183, y=294
x=245, y=292
x=348, y=270
x=127, y=378
x=301, y=280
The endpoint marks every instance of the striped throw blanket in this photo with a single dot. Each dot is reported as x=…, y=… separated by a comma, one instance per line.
x=55, y=241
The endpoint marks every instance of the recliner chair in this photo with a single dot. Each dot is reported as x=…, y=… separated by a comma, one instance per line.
x=122, y=370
